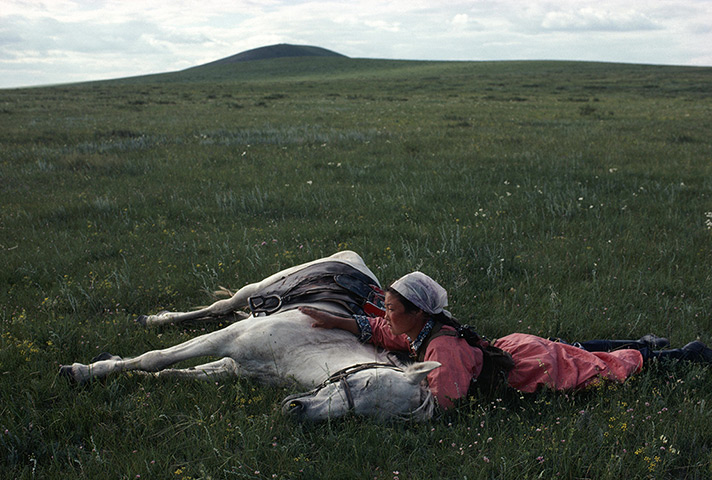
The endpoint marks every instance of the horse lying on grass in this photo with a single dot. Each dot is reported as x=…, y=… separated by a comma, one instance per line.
x=276, y=344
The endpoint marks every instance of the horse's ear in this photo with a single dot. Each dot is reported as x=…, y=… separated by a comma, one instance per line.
x=419, y=370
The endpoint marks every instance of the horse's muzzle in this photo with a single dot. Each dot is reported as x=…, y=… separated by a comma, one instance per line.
x=292, y=406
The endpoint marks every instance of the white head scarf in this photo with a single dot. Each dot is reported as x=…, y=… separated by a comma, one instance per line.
x=421, y=290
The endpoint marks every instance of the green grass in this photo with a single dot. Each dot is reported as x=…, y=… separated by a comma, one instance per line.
x=553, y=198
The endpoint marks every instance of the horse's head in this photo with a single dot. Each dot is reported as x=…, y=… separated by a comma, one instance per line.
x=375, y=390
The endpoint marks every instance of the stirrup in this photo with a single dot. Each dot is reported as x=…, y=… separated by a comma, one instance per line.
x=264, y=304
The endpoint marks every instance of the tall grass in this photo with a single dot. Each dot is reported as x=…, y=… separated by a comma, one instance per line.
x=559, y=199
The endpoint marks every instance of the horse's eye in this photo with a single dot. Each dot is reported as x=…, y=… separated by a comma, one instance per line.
x=367, y=383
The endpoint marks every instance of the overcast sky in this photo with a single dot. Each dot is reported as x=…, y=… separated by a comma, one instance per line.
x=62, y=41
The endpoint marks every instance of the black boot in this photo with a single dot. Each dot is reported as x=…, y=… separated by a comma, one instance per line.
x=695, y=351
x=698, y=352
x=654, y=342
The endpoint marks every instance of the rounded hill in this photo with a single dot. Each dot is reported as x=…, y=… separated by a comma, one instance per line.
x=281, y=50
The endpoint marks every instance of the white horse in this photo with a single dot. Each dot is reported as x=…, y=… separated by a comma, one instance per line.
x=283, y=348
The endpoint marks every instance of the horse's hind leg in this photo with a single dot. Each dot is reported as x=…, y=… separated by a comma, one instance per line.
x=211, y=344
x=221, y=308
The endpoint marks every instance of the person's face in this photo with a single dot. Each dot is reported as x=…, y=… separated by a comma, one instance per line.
x=401, y=321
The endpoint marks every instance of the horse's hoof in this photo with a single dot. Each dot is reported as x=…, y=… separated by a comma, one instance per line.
x=104, y=356
x=142, y=320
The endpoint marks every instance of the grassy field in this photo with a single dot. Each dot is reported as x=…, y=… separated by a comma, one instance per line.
x=559, y=199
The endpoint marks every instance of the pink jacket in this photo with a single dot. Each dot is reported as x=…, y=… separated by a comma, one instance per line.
x=460, y=362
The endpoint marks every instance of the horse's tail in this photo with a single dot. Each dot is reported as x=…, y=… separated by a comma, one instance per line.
x=223, y=292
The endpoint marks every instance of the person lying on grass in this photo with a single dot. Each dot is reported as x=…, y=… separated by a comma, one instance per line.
x=416, y=322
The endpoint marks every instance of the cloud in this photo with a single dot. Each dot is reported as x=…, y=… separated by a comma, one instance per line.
x=383, y=25
x=592, y=19
x=460, y=20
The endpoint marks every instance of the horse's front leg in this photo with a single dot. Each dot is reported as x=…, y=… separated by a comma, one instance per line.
x=211, y=344
x=219, y=309
x=225, y=367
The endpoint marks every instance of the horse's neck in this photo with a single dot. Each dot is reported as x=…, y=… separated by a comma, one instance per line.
x=291, y=350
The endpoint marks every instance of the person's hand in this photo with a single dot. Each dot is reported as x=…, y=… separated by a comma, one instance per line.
x=320, y=318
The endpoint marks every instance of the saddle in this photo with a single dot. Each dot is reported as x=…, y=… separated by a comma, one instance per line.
x=332, y=281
